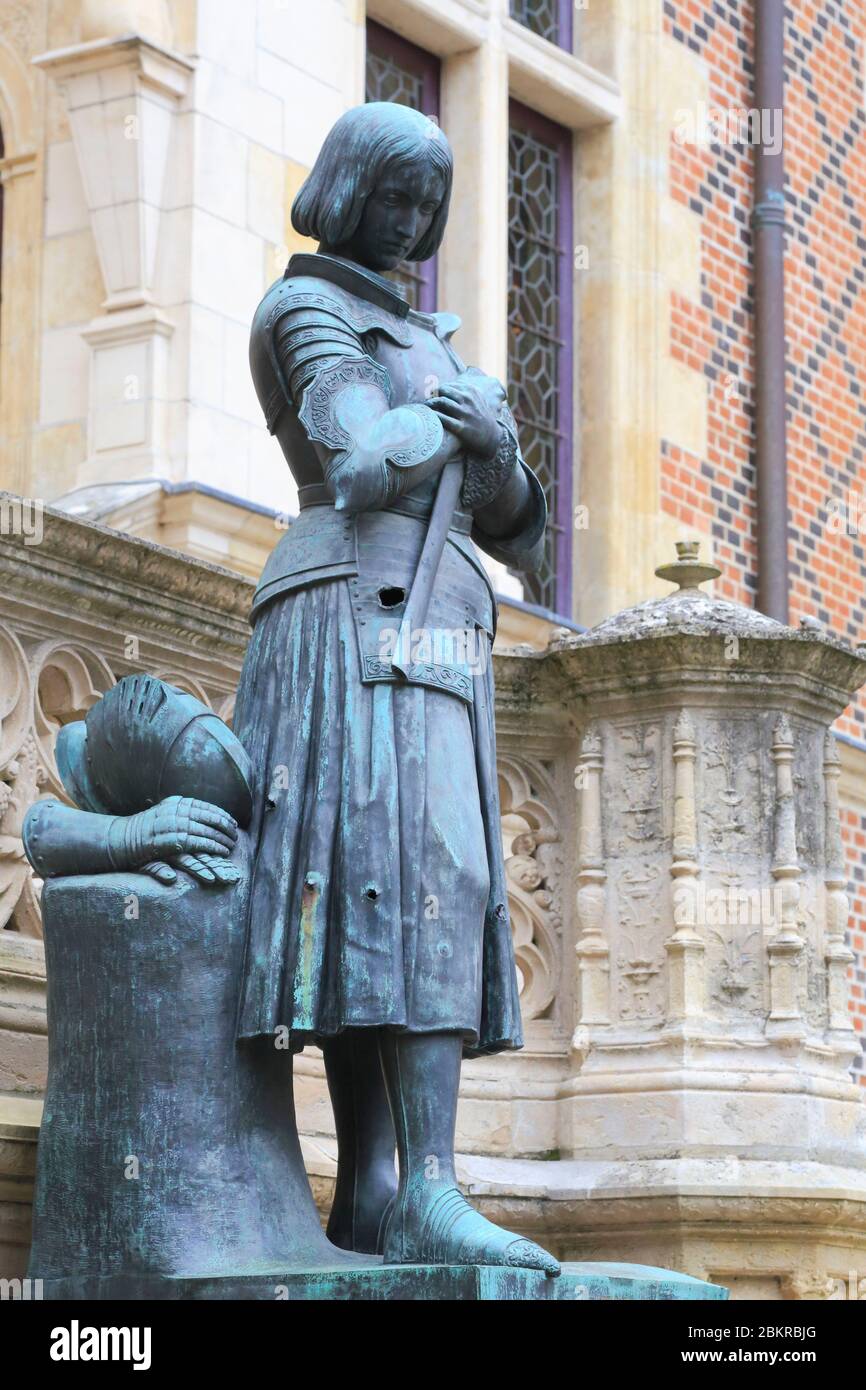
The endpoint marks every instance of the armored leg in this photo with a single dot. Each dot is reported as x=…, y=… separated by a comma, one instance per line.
x=366, y=1177
x=431, y=1221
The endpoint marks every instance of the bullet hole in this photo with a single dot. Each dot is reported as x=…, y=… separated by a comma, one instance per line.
x=371, y=892
x=444, y=949
x=309, y=882
x=391, y=596
x=270, y=804
x=499, y=912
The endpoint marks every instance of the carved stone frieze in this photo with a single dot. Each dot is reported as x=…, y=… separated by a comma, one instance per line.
x=531, y=820
x=640, y=960
x=732, y=791
x=635, y=811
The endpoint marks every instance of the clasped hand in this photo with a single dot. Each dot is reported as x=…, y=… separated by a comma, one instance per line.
x=183, y=832
x=469, y=408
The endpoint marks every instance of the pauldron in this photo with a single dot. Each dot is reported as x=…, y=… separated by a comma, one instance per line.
x=347, y=407
x=351, y=319
x=362, y=317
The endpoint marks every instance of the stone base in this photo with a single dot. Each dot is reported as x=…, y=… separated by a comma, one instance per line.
x=418, y=1283
x=768, y=1230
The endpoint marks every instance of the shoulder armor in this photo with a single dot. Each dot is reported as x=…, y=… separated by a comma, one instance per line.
x=306, y=294
x=318, y=414
x=447, y=325
x=318, y=310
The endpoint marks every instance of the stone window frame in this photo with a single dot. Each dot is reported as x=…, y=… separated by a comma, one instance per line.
x=21, y=183
x=564, y=21
x=2, y=154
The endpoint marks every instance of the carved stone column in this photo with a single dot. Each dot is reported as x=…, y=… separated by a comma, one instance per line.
x=686, y=947
x=838, y=954
x=593, y=950
x=785, y=949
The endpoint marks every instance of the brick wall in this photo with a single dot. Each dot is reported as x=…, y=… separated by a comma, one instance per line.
x=825, y=141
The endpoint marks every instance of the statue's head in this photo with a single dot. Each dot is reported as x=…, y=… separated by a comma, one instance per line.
x=379, y=191
x=144, y=741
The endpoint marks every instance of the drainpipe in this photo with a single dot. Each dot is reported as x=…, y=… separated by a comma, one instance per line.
x=768, y=232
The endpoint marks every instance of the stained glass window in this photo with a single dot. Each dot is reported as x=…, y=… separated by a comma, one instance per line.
x=400, y=71
x=551, y=19
x=540, y=349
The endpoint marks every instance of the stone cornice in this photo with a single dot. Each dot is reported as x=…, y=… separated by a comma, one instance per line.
x=157, y=67
x=93, y=572
x=814, y=672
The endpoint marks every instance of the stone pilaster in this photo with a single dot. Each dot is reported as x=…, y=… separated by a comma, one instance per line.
x=122, y=95
x=685, y=949
x=785, y=949
x=837, y=953
x=593, y=949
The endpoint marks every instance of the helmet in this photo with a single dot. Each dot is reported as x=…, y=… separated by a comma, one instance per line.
x=144, y=741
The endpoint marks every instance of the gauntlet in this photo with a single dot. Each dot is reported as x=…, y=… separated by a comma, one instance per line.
x=486, y=477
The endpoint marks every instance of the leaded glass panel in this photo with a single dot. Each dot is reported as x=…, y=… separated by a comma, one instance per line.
x=547, y=18
x=539, y=356
x=400, y=71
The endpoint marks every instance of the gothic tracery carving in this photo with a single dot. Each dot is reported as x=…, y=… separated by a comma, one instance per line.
x=43, y=685
x=531, y=826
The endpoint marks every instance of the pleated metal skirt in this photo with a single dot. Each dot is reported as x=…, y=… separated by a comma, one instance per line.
x=378, y=890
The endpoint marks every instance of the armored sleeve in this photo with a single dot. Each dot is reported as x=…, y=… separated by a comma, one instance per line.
x=522, y=547
x=60, y=840
x=370, y=453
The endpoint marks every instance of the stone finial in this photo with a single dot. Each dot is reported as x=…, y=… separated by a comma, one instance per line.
x=687, y=571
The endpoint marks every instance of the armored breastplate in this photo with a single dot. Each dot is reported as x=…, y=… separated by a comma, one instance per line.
x=324, y=299
x=343, y=368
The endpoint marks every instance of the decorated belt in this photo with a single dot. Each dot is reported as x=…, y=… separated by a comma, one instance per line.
x=317, y=495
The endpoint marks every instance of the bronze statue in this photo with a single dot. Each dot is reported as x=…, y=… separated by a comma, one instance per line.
x=378, y=921
x=330, y=872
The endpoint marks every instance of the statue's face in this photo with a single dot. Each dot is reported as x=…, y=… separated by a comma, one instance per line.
x=397, y=215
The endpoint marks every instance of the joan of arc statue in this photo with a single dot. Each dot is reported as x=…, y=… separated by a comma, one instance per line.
x=378, y=921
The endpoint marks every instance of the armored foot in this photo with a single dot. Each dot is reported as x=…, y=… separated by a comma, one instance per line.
x=438, y=1226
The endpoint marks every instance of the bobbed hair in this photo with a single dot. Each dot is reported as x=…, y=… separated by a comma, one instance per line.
x=364, y=145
